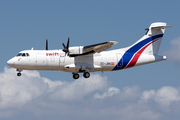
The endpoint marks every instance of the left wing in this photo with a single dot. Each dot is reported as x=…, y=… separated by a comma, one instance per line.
x=91, y=49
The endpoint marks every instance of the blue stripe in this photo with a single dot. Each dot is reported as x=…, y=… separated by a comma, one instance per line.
x=130, y=52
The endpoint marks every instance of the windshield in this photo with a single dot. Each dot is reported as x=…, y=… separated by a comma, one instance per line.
x=22, y=54
x=19, y=54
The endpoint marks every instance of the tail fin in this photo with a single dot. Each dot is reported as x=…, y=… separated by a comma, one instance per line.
x=150, y=42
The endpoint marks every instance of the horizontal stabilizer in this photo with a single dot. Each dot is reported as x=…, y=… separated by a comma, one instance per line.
x=161, y=27
x=156, y=28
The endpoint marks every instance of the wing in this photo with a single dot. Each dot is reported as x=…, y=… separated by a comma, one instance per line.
x=99, y=47
x=91, y=49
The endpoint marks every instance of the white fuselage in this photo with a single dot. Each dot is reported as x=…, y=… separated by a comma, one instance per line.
x=57, y=60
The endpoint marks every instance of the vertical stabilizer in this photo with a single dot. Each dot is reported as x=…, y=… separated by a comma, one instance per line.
x=155, y=32
x=150, y=42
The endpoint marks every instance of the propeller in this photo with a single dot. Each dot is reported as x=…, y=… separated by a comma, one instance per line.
x=46, y=44
x=66, y=48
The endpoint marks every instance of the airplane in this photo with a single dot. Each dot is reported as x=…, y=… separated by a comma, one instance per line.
x=92, y=58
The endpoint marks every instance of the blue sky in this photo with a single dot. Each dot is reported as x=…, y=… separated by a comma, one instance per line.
x=146, y=92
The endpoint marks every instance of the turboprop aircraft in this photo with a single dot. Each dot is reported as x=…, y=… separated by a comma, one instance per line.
x=92, y=58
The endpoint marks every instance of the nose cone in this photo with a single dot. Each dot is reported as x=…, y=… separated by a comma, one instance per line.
x=10, y=62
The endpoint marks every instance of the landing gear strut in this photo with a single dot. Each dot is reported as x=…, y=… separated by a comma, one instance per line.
x=19, y=74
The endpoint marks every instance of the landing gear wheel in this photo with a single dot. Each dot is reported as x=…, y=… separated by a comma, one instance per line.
x=19, y=70
x=18, y=74
x=76, y=76
x=86, y=75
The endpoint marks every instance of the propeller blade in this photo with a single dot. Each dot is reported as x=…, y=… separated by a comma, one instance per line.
x=63, y=45
x=68, y=43
x=46, y=44
x=66, y=48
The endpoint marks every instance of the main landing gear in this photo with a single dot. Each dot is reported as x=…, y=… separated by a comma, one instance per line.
x=86, y=75
x=76, y=76
x=20, y=70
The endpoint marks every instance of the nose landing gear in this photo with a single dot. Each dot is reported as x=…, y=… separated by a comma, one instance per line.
x=18, y=74
x=20, y=70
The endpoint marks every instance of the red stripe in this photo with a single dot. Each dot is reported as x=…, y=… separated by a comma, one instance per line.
x=137, y=55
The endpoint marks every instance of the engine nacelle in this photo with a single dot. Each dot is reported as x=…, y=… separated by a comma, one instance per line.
x=76, y=50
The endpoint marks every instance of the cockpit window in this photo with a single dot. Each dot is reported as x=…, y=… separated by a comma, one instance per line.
x=19, y=54
x=22, y=54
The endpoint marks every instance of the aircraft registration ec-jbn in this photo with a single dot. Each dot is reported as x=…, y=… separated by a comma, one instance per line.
x=92, y=58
